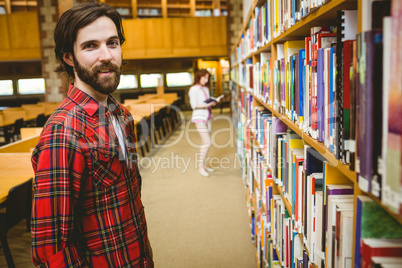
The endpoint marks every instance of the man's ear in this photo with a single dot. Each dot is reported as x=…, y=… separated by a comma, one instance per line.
x=68, y=58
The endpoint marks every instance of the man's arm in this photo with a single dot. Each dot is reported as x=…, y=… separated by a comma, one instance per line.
x=59, y=165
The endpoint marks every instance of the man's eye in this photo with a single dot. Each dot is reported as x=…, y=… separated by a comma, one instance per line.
x=88, y=46
x=114, y=43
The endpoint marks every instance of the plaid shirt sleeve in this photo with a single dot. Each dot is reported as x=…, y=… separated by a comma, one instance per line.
x=60, y=165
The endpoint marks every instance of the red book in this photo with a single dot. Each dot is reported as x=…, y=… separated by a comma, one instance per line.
x=379, y=247
x=324, y=40
x=308, y=43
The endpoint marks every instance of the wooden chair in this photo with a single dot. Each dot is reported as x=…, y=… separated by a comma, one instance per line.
x=13, y=132
x=18, y=207
x=142, y=136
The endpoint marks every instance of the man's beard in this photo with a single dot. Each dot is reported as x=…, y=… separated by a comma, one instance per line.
x=104, y=85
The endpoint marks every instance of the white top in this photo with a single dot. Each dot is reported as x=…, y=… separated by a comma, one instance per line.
x=120, y=137
x=197, y=95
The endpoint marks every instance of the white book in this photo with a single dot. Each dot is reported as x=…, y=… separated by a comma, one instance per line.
x=345, y=241
x=335, y=202
x=319, y=254
x=311, y=212
x=349, y=25
x=280, y=51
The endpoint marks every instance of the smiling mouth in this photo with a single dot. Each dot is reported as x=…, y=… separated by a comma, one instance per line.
x=105, y=72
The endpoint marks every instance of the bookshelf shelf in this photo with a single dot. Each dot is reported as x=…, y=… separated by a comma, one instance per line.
x=266, y=48
x=285, y=200
x=204, y=7
x=324, y=16
x=316, y=145
x=141, y=5
x=312, y=142
x=178, y=6
x=316, y=82
x=149, y=15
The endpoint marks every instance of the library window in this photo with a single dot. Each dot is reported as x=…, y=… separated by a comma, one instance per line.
x=31, y=86
x=179, y=79
x=128, y=81
x=6, y=87
x=150, y=80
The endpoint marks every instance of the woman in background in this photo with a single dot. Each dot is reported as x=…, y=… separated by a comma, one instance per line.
x=202, y=115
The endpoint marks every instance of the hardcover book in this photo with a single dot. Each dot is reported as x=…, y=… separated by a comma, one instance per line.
x=372, y=221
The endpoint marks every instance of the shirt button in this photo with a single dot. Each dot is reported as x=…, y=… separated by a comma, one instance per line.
x=105, y=155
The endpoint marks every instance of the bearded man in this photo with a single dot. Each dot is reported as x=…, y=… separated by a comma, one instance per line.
x=87, y=209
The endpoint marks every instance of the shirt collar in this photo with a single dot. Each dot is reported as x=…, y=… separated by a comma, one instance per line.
x=87, y=103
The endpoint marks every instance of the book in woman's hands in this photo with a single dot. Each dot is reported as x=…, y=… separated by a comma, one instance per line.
x=211, y=99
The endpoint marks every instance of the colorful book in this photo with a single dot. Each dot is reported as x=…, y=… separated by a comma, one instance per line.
x=353, y=105
x=372, y=221
x=369, y=112
x=392, y=136
x=347, y=52
x=344, y=239
x=380, y=248
x=320, y=94
x=335, y=203
x=386, y=262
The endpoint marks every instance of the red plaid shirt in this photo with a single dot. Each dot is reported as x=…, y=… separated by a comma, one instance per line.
x=87, y=208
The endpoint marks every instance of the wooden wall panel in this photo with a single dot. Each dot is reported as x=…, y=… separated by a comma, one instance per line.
x=5, y=36
x=158, y=37
x=179, y=37
x=19, y=32
x=212, y=31
x=186, y=38
x=134, y=46
x=145, y=38
x=24, y=30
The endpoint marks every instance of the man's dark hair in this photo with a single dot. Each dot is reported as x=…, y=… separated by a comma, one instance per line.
x=73, y=20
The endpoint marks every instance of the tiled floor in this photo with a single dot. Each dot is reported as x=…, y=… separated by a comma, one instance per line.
x=19, y=241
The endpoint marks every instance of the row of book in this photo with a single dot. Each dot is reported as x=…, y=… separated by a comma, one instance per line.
x=258, y=33
x=149, y=11
x=302, y=210
x=340, y=92
x=262, y=27
x=289, y=12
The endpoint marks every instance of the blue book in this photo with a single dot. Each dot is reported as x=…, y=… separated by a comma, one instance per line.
x=320, y=94
x=305, y=259
x=268, y=204
x=294, y=10
x=294, y=234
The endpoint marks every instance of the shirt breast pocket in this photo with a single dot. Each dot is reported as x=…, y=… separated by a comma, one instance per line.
x=107, y=169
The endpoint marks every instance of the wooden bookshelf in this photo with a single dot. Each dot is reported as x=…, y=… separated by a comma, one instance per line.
x=324, y=15
x=134, y=9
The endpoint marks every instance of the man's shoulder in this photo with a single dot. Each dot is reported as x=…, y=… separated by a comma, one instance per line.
x=68, y=115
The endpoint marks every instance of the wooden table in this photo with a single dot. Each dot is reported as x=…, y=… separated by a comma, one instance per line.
x=28, y=132
x=20, y=146
x=15, y=169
